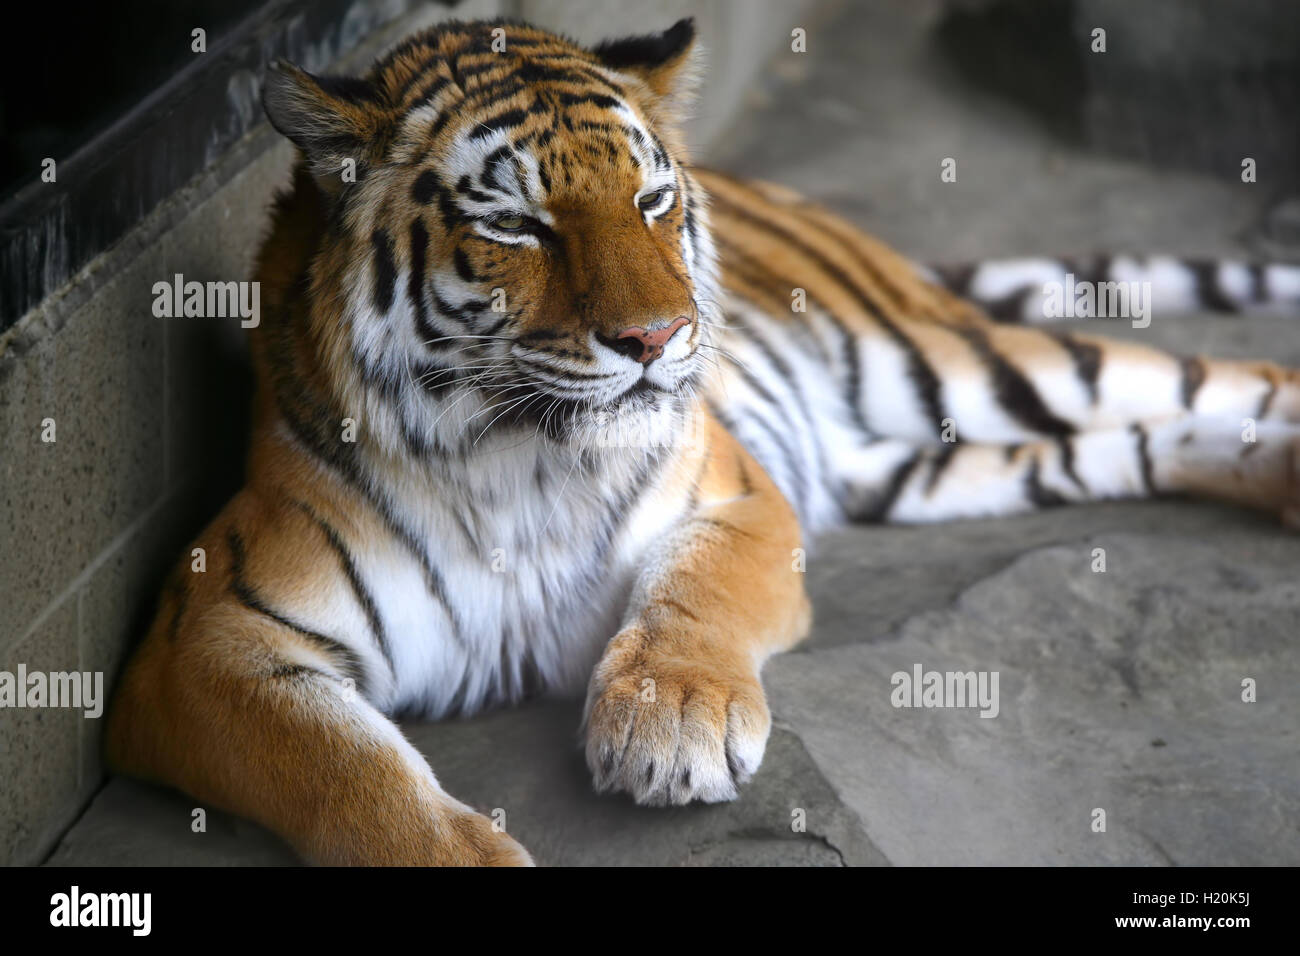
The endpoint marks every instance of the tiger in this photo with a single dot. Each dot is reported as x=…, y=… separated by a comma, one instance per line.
x=534, y=414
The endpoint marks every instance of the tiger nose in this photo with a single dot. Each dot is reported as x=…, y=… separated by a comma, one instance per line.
x=645, y=345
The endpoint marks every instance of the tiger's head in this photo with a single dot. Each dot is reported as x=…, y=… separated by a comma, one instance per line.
x=514, y=239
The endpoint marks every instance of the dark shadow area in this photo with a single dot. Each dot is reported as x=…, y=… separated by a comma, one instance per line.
x=1023, y=51
x=1190, y=84
x=51, y=105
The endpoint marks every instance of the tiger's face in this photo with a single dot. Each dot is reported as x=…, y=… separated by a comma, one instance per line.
x=525, y=246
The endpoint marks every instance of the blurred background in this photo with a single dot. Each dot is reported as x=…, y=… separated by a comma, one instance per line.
x=165, y=165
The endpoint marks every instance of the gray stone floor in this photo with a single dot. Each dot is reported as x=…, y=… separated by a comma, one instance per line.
x=1119, y=690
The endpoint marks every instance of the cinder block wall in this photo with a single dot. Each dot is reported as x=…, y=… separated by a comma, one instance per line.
x=149, y=414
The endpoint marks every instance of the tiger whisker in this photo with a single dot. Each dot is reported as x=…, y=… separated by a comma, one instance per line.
x=503, y=411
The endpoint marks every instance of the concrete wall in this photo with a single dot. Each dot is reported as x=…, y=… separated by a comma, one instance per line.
x=150, y=413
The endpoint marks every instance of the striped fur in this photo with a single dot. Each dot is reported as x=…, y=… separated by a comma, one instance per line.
x=1012, y=290
x=464, y=489
x=1038, y=417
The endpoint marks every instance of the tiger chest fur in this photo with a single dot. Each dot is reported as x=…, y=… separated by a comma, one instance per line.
x=536, y=555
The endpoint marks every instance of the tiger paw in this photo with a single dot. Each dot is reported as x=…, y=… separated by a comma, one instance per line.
x=470, y=839
x=669, y=731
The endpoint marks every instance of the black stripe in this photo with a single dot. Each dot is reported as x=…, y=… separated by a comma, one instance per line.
x=464, y=71
x=425, y=187
x=660, y=153
x=415, y=285
x=489, y=174
x=506, y=120
x=1010, y=309
x=1208, y=291
x=286, y=671
x=420, y=70
x=567, y=376
x=939, y=464
x=1193, y=378
x=1266, y=401
x=1087, y=362
x=491, y=93
x=440, y=124
x=749, y=270
x=1144, y=458
x=359, y=589
x=461, y=313
x=291, y=396
x=634, y=134
x=247, y=596
x=955, y=278
x=689, y=222
x=350, y=473
x=1039, y=495
x=919, y=370
x=385, y=270
x=429, y=92
x=417, y=74
x=428, y=187
x=452, y=215
x=465, y=187
x=785, y=372
x=889, y=496
x=463, y=269
x=849, y=346
x=595, y=99
x=797, y=475
x=1066, y=446
x=821, y=219
x=1014, y=391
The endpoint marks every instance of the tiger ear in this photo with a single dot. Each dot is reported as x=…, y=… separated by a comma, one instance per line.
x=666, y=63
x=332, y=119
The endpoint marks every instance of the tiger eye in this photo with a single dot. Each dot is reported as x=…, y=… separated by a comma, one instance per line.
x=509, y=223
x=650, y=200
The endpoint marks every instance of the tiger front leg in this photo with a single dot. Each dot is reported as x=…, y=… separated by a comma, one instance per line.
x=230, y=706
x=675, y=710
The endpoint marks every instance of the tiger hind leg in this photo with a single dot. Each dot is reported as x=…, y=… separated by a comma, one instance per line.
x=894, y=481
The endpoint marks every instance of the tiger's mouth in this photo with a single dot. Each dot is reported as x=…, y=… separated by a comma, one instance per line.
x=641, y=413
x=650, y=388
x=605, y=390
x=643, y=386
